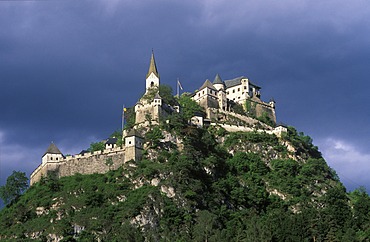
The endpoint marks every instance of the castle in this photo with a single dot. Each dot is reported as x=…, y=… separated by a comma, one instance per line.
x=218, y=100
x=224, y=95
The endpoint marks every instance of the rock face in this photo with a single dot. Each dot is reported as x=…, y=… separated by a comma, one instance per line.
x=193, y=184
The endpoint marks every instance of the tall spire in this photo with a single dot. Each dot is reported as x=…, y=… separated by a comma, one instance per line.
x=152, y=67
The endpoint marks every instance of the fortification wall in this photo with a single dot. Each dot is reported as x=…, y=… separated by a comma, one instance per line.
x=278, y=131
x=221, y=116
x=258, y=108
x=154, y=111
x=42, y=171
x=89, y=163
x=99, y=163
x=268, y=110
x=209, y=102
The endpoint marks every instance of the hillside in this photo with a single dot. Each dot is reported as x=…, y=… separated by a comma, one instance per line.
x=210, y=186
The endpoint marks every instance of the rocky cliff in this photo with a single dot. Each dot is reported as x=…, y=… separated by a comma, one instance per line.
x=209, y=185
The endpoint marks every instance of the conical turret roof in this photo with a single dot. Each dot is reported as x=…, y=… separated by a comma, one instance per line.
x=52, y=149
x=218, y=80
x=152, y=67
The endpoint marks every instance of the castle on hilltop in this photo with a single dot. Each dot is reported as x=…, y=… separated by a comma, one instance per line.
x=219, y=100
x=223, y=95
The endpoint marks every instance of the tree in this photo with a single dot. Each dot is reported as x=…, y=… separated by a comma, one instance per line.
x=130, y=117
x=206, y=225
x=189, y=107
x=96, y=146
x=265, y=118
x=15, y=185
x=118, y=135
x=361, y=208
x=165, y=91
x=153, y=136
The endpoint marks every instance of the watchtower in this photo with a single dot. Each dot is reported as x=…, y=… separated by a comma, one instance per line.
x=134, y=146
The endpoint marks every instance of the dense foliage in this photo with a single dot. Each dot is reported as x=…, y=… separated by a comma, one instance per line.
x=96, y=146
x=164, y=91
x=16, y=183
x=206, y=191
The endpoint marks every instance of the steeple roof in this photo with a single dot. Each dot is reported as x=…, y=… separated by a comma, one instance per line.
x=208, y=84
x=52, y=149
x=218, y=80
x=152, y=67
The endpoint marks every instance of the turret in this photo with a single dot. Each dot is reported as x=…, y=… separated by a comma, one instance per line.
x=218, y=83
x=157, y=101
x=133, y=146
x=152, y=77
x=272, y=103
x=52, y=154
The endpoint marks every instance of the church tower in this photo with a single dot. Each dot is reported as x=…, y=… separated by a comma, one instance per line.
x=152, y=78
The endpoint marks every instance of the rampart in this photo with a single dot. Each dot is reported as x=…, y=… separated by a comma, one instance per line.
x=259, y=108
x=234, y=128
x=222, y=116
x=250, y=124
x=88, y=163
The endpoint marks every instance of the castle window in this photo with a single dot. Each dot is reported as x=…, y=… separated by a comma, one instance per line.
x=129, y=142
x=227, y=92
x=51, y=158
x=152, y=84
x=245, y=87
x=56, y=158
x=233, y=90
x=238, y=89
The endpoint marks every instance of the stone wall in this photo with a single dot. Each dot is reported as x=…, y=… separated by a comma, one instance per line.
x=268, y=110
x=278, y=131
x=258, y=108
x=42, y=171
x=223, y=116
x=208, y=102
x=97, y=162
x=141, y=111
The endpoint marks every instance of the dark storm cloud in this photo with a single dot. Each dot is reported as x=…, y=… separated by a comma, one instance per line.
x=66, y=67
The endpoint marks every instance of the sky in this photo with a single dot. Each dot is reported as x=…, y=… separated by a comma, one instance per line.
x=68, y=66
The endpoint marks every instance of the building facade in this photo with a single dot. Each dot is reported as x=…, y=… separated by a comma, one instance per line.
x=224, y=94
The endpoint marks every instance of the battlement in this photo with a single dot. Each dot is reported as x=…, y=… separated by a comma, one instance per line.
x=87, y=163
